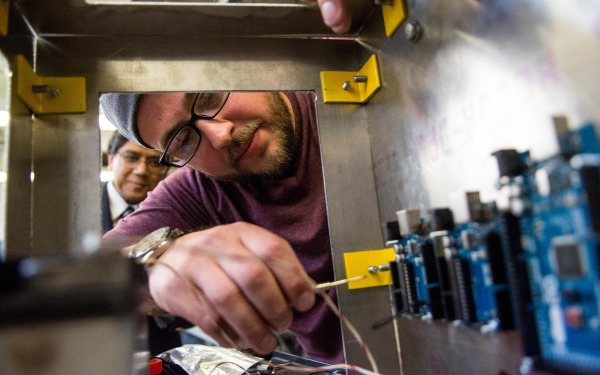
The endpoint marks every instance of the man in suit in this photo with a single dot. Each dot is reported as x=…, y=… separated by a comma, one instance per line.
x=136, y=172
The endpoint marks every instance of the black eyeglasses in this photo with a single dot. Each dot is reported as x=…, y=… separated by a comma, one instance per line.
x=186, y=139
x=132, y=159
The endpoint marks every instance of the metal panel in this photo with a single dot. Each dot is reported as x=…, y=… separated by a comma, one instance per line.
x=192, y=63
x=18, y=185
x=485, y=75
x=354, y=226
x=18, y=189
x=76, y=17
x=66, y=159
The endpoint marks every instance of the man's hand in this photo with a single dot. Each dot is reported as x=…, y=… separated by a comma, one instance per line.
x=235, y=281
x=336, y=15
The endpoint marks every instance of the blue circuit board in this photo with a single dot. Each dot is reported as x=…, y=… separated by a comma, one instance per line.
x=560, y=226
x=480, y=245
x=421, y=276
x=535, y=267
x=457, y=275
x=481, y=274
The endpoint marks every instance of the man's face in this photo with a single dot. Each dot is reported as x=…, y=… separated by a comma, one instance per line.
x=134, y=175
x=252, y=136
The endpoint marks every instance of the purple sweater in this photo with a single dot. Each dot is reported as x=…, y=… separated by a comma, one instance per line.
x=292, y=207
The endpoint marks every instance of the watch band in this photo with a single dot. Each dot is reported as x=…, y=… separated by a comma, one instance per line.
x=154, y=245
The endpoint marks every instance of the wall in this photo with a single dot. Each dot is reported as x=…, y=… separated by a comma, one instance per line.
x=67, y=156
x=485, y=75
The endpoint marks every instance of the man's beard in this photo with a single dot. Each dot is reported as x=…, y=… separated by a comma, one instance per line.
x=280, y=124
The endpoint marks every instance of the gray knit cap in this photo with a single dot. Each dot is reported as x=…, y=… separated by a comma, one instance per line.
x=121, y=110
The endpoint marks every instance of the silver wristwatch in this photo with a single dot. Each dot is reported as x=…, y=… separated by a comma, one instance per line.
x=154, y=245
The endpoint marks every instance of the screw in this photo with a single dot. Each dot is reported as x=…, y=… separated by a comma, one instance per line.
x=413, y=31
x=379, y=268
x=43, y=89
x=384, y=267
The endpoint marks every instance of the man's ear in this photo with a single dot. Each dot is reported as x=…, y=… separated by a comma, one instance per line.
x=109, y=161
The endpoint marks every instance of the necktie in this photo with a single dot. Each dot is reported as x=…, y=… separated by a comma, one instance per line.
x=127, y=211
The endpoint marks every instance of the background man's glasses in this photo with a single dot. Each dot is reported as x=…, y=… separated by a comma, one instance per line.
x=132, y=159
x=186, y=139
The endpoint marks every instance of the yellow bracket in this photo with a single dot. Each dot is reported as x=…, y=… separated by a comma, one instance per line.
x=393, y=16
x=49, y=95
x=4, y=17
x=366, y=263
x=351, y=87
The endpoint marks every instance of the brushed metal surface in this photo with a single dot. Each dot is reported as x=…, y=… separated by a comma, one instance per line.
x=484, y=75
x=191, y=63
x=77, y=17
x=113, y=50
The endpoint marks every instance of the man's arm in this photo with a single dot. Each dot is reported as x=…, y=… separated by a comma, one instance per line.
x=236, y=282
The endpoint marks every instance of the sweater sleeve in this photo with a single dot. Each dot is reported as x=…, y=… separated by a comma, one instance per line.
x=173, y=203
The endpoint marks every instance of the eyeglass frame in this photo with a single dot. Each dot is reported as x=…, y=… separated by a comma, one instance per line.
x=190, y=123
x=163, y=168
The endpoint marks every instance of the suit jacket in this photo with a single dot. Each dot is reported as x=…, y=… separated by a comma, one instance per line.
x=106, y=215
x=159, y=339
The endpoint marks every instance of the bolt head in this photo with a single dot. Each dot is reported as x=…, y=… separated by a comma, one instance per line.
x=412, y=31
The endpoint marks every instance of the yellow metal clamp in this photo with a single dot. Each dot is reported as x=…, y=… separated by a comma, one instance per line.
x=351, y=87
x=4, y=17
x=48, y=95
x=373, y=265
x=394, y=14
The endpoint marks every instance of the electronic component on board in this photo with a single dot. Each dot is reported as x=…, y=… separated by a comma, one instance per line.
x=445, y=274
x=404, y=292
x=558, y=209
x=456, y=273
x=511, y=164
x=480, y=246
x=534, y=266
x=417, y=285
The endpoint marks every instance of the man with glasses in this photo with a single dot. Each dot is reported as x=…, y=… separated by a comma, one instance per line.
x=136, y=171
x=251, y=201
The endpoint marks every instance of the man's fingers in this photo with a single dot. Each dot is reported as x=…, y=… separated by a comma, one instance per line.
x=255, y=280
x=336, y=15
x=222, y=318
x=233, y=306
x=242, y=267
x=177, y=296
x=283, y=264
x=235, y=285
x=238, y=276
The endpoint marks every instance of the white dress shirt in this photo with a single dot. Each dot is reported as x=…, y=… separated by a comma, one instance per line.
x=116, y=203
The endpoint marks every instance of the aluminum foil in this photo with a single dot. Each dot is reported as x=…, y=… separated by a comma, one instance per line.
x=204, y=360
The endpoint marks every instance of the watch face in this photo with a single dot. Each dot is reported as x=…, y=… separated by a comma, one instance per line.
x=150, y=242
